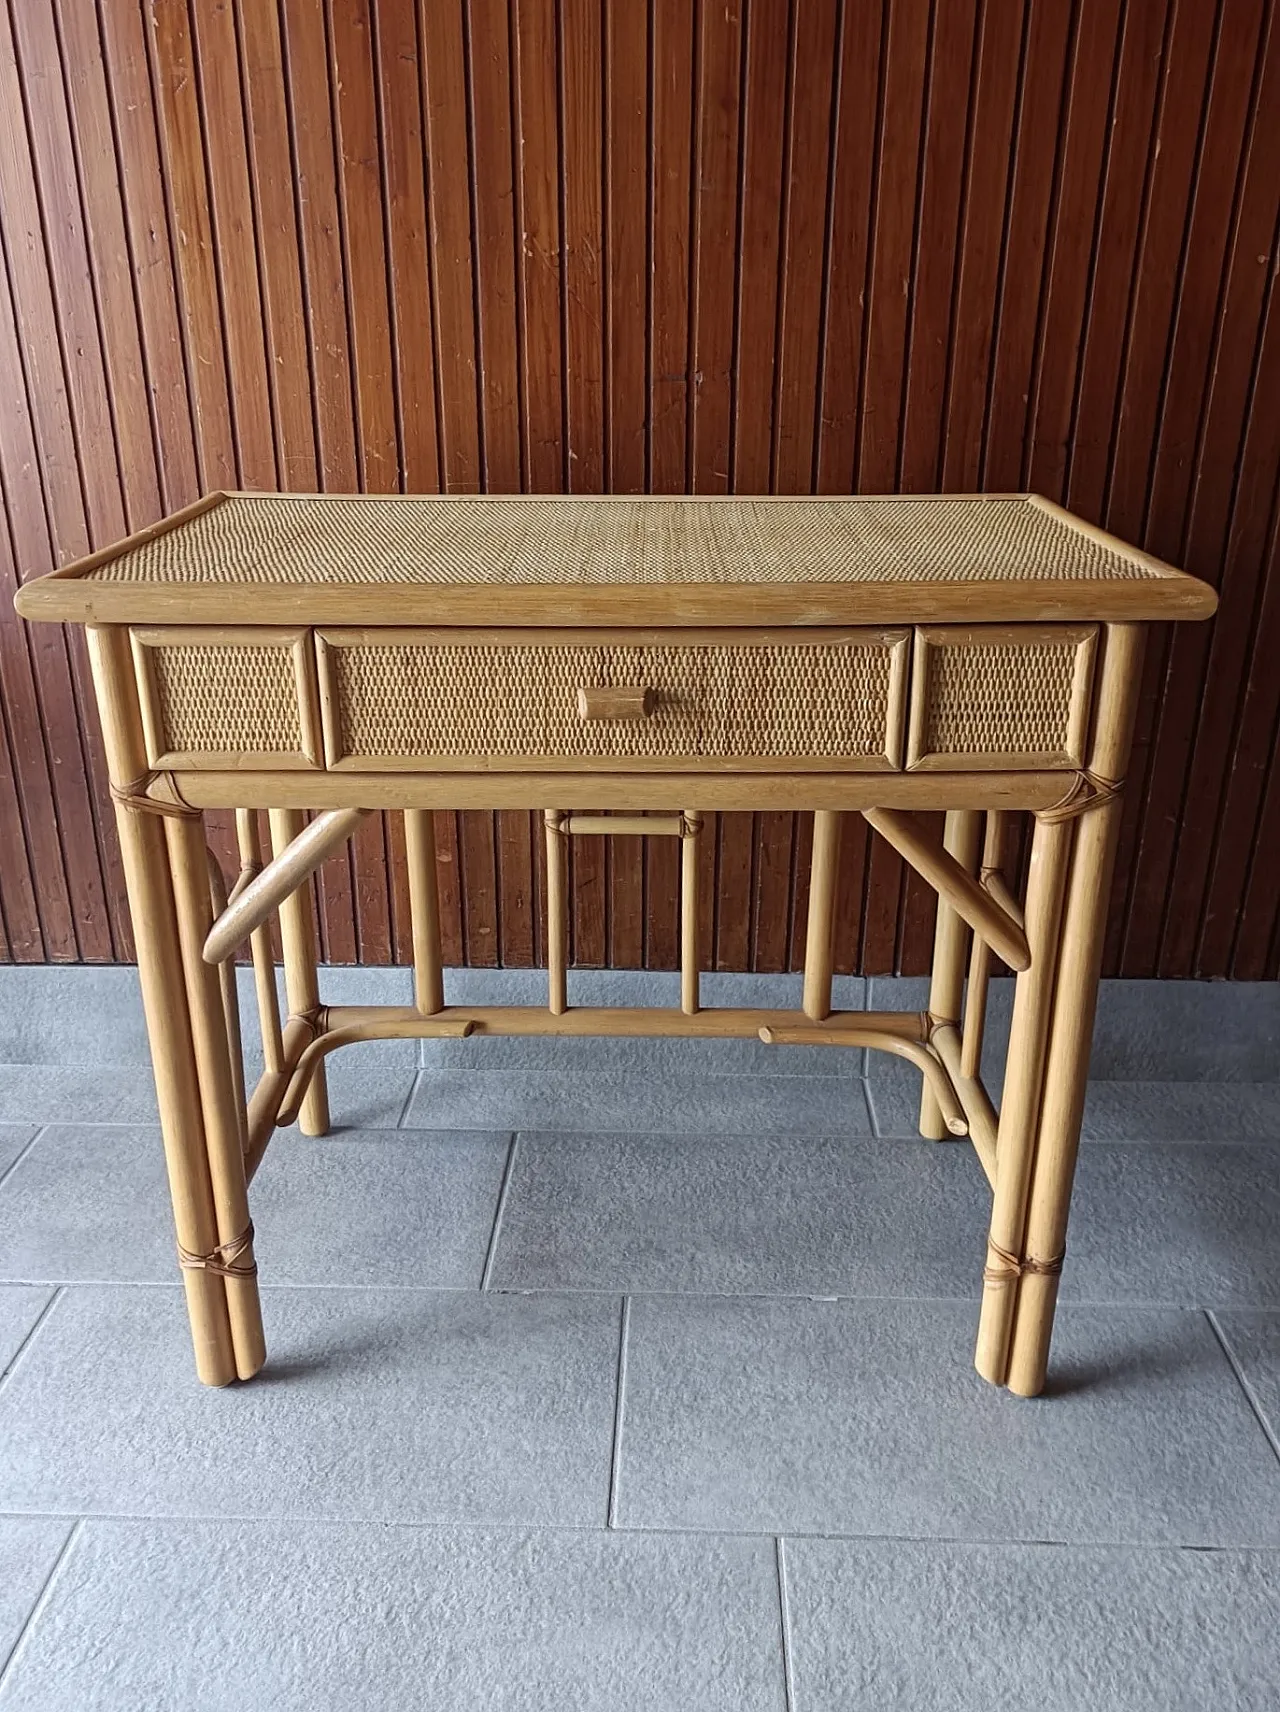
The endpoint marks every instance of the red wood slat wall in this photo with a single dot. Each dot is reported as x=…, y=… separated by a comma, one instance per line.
x=573, y=245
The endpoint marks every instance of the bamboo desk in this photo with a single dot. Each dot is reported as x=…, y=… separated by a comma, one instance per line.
x=978, y=655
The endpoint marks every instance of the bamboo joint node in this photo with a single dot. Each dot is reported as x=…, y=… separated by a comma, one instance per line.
x=136, y=795
x=1086, y=791
x=223, y=1259
x=1005, y=1268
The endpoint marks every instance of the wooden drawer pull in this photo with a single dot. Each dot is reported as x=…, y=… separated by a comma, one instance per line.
x=626, y=701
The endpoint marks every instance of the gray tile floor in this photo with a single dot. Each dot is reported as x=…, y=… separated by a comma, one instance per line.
x=638, y=1375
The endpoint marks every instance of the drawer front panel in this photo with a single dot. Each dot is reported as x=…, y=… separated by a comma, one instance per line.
x=995, y=697
x=399, y=699
x=228, y=699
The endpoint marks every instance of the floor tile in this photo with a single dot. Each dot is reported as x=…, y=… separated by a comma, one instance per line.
x=70, y=1093
x=328, y=1211
x=1182, y=1111
x=867, y=1418
x=743, y=1105
x=20, y=1307
x=1175, y=1223
x=13, y=1138
x=782, y=1214
x=29, y=1548
x=375, y=1405
x=1254, y=1341
x=325, y=1617
x=83, y=1014
x=1187, y=1031
x=898, y=1626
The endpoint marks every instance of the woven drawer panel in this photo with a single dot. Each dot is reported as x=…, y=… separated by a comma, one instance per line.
x=328, y=539
x=998, y=698
x=402, y=702
x=246, y=698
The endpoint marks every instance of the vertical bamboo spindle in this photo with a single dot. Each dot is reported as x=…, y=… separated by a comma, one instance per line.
x=690, y=841
x=1020, y=1106
x=424, y=910
x=1067, y=1062
x=820, y=928
x=298, y=941
x=264, y=964
x=960, y=839
x=975, y=999
x=230, y=1001
x=557, y=915
x=160, y=974
x=223, y=1130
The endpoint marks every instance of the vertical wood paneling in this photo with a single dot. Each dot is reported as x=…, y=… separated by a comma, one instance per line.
x=574, y=245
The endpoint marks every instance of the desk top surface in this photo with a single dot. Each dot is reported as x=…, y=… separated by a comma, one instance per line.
x=271, y=558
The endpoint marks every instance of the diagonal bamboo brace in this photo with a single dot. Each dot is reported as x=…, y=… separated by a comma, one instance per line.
x=967, y=898
x=280, y=879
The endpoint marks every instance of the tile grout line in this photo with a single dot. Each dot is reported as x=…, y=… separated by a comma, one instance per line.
x=25, y=1345
x=14, y=1163
x=408, y=1102
x=620, y=1385
x=491, y=1252
x=784, y=1614
x=40, y=1601
x=1233, y=1362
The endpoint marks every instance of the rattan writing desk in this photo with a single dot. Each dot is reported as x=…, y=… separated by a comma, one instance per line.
x=978, y=655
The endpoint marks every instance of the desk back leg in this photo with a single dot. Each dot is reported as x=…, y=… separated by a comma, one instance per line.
x=961, y=839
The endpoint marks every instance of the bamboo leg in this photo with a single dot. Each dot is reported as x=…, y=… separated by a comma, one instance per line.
x=690, y=841
x=298, y=939
x=1020, y=1107
x=557, y=915
x=819, y=931
x=146, y=869
x=223, y=1125
x=264, y=965
x=230, y=1001
x=424, y=910
x=975, y=1000
x=1067, y=1064
x=950, y=938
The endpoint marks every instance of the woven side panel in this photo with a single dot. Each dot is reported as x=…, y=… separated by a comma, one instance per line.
x=412, y=700
x=349, y=540
x=218, y=698
x=1003, y=698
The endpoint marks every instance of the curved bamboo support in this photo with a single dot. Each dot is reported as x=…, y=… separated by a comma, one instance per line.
x=916, y=1052
x=264, y=964
x=969, y=900
x=418, y=1027
x=230, y=998
x=291, y=868
x=974, y=1100
x=264, y=1102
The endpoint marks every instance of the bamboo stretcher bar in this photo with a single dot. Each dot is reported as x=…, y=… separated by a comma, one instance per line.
x=916, y=1051
x=626, y=826
x=291, y=868
x=711, y=788
x=951, y=882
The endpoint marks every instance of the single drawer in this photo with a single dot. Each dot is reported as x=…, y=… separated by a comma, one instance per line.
x=228, y=698
x=988, y=697
x=399, y=699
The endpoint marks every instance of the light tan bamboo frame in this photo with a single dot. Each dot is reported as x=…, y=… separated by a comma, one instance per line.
x=188, y=925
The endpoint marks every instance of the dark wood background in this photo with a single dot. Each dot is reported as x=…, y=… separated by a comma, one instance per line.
x=708, y=245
